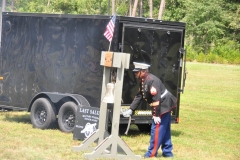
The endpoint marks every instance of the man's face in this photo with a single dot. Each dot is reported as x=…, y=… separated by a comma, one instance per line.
x=140, y=74
x=137, y=74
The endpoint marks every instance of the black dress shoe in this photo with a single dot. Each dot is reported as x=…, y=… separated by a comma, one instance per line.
x=167, y=156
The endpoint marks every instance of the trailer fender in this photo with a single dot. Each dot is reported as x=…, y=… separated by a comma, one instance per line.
x=55, y=98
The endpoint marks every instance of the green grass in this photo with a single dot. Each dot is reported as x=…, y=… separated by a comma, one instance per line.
x=209, y=125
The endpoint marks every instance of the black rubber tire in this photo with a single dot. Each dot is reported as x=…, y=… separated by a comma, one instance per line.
x=67, y=117
x=144, y=127
x=43, y=114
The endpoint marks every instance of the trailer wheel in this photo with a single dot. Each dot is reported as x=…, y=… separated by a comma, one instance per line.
x=67, y=116
x=144, y=127
x=43, y=114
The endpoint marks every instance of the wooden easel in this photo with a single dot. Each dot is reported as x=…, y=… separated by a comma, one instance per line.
x=121, y=62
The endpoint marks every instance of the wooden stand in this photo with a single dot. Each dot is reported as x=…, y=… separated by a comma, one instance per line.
x=121, y=62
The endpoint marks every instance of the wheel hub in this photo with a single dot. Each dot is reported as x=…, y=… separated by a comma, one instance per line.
x=41, y=114
x=70, y=119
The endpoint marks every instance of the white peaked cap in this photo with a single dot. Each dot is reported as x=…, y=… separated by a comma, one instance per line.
x=139, y=66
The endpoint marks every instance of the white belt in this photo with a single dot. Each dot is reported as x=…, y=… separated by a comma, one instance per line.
x=165, y=92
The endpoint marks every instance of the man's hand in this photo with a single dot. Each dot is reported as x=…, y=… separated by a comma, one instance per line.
x=127, y=113
x=157, y=120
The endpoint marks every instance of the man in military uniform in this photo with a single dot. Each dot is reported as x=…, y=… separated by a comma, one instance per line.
x=161, y=101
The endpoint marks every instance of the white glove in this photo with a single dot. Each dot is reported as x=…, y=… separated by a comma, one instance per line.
x=157, y=120
x=127, y=113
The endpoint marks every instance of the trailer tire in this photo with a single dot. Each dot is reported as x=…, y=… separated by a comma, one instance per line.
x=43, y=114
x=144, y=127
x=67, y=117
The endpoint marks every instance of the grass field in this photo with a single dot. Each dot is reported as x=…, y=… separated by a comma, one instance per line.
x=209, y=127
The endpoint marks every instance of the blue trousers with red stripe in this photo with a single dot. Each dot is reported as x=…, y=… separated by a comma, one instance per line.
x=161, y=136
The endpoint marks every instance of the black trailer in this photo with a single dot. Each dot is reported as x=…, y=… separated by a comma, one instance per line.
x=50, y=63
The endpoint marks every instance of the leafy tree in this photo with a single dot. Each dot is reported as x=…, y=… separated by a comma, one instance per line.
x=176, y=10
x=40, y=6
x=210, y=23
x=232, y=14
x=205, y=21
x=122, y=7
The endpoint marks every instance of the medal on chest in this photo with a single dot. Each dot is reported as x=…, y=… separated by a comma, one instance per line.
x=145, y=88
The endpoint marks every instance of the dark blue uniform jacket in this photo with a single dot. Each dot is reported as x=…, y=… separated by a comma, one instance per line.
x=151, y=89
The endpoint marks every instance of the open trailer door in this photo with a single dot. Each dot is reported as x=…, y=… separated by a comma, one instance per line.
x=160, y=45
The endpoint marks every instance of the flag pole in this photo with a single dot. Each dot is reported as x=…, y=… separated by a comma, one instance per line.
x=109, y=46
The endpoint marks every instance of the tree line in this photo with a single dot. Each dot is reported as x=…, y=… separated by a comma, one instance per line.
x=212, y=26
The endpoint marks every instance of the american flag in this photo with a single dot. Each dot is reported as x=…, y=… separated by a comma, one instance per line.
x=110, y=29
